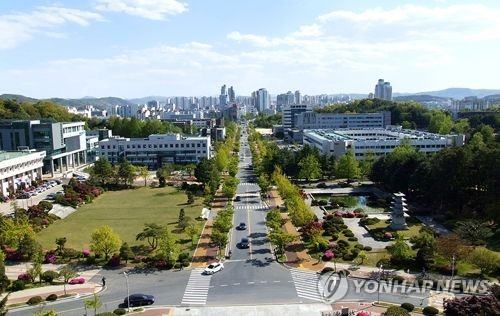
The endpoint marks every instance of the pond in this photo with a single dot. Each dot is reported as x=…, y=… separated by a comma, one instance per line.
x=369, y=203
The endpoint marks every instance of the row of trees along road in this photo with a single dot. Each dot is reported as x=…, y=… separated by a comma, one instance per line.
x=225, y=163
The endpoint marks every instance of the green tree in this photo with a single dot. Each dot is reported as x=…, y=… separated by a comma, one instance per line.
x=163, y=174
x=362, y=256
x=347, y=166
x=126, y=252
x=281, y=239
x=181, y=216
x=229, y=188
x=263, y=182
x=400, y=251
x=36, y=269
x=126, y=172
x=192, y=231
x=151, y=233
x=461, y=126
x=486, y=260
x=366, y=165
x=105, y=241
x=143, y=173
x=4, y=280
x=220, y=239
x=309, y=168
x=28, y=246
x=190, y=197
x=3, y=305
x=184, y=223
x=67, y=273
x=101, y=171
x=440, y=123
x=94, y=303
x=168, y=247
x=473, y=230
x=60, y=242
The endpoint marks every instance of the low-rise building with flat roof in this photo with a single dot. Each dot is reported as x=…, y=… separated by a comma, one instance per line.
x=19, y=168
x=156, y=150
x=377, y=140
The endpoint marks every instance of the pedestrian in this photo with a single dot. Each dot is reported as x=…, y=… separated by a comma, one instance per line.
x=103, y=281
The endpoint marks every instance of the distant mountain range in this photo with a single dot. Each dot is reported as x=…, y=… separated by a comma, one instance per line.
x=430, y=96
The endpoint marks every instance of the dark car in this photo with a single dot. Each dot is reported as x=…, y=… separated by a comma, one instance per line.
x=238, y=198
x=139, y=300
x=244, y=243
x=241, y=226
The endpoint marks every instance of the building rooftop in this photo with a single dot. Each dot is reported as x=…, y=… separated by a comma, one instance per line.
x=372, y=134
x=6, y=155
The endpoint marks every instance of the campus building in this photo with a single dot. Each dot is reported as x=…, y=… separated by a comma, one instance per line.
x=377, y=140
x=18, y=169
x=64, y=143
x=315, y=120
x=156, y=150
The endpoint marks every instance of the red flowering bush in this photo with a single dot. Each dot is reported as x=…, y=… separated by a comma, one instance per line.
x=85, y=253
x=328, y=255
x=388, y=235
x=50, y=257
x=24, y=277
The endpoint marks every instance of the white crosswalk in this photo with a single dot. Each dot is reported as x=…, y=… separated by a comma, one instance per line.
x=197, y=288
x=247, y=183
x=250, y=206
x=306, y=284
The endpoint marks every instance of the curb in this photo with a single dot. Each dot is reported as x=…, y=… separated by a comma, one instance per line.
x=77, y=296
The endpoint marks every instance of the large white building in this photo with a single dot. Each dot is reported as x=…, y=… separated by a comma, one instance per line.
x=289, y=113
x=315, y=120
x=18, y=169
x=155, y=150
x=377, y=141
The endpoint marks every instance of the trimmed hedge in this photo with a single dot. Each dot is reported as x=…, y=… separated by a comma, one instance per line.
x=34, y=300
x=408, y=306
x=52, y=297
x=429, y=310
x=120, y=311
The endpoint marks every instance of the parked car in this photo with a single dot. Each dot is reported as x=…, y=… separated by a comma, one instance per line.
x=244, y=243
x=241, y=226
x=237, y=198
x=214, y=268
x=139, y=300
x=58, y=181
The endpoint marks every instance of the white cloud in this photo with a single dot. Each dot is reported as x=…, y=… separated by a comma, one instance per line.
x=309, y=31
x=19, y=27
x=148, y=9
x=256, y=40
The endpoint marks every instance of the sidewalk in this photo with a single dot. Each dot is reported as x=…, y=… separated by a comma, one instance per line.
x=359, y=306
x=205, y=253
x=80, y=289
x=296, y=254
x=260, y=310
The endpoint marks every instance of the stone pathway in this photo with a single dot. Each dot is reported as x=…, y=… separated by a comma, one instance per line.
x=363, y=235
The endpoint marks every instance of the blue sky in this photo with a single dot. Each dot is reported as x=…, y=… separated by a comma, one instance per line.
x=134, y=48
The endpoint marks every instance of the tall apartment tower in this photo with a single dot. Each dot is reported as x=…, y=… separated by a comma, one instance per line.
x=232, y=95
x=262, y=101
x=383, y=90
x=298, y=97
x=223, y=96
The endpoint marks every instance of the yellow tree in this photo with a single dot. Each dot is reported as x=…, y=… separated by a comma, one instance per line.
x=104, y=240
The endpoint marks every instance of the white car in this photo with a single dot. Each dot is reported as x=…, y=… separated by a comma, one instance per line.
x=214, y=268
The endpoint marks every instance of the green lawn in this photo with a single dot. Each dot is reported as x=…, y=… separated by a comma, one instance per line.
x=126, y=212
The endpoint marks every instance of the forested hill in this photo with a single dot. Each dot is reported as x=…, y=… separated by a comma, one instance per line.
x=15, y=109
x=101, y=103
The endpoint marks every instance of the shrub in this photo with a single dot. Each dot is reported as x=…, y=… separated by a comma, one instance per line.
x=398, y=279
x=34, y=300
x=352, y=239
x=335, y=237
x=71, y=253
x=396, y=311
x=50, y=257
x=359, y=246
x=120, y=311
x=343, y=243
x=429, y=310
x=52, y=297
x=408, y=306
x=49, y=276
x=17, y=285
x=349, y=234
x=388, y=235
x=114, y=261
x=105, y=314
x=85, y=253
x=327, y=269
x=25, y=277
x=367, y=248
x=328, y=255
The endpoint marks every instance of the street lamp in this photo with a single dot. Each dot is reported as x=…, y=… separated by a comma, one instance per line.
x=379, y=277
x=128, y=290
x=452, y=266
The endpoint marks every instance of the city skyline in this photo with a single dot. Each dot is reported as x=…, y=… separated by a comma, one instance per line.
x=130, y=48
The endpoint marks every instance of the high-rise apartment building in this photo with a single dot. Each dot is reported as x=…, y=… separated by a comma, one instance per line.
x=298, y=97
x=383, y=90
x=232, y=95
x=260, y=100
x=223, y=96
